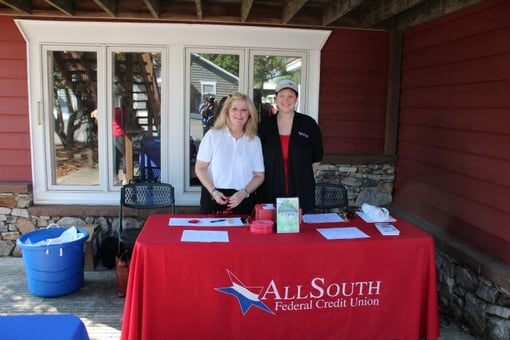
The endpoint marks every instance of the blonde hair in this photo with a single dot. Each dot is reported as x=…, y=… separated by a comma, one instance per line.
x=250, y=128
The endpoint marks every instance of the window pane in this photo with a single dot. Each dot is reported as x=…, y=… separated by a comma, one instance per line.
x=212, y=77
x=136, y=117
x=74, y=129
x=268, y=70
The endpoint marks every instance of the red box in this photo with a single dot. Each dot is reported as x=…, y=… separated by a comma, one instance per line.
x=263, y=213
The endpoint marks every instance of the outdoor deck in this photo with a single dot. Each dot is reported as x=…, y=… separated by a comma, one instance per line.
x=96, y=304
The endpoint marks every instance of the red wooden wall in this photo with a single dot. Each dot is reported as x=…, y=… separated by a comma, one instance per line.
x=14, y=127
x=354, y=76
x=454, y=133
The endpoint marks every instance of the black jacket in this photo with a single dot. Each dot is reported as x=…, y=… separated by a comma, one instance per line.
x=305, y=148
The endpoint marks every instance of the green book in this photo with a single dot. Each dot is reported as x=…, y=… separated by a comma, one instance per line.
x=287, y=215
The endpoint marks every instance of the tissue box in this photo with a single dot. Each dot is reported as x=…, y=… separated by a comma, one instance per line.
x=92, y=246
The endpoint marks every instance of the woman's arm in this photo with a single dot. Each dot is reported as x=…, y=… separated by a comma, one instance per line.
x=205, y=179
x=239, y=196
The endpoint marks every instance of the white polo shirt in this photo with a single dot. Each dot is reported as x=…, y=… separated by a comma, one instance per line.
x=231, y=162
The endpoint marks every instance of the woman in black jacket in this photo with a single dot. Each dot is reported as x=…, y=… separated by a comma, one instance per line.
x=292, y=148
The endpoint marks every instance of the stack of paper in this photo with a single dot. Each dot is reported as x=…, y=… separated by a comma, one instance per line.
x=387, y=229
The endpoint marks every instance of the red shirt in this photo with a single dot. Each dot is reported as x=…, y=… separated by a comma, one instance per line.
x=118, y=123
x=284, y=140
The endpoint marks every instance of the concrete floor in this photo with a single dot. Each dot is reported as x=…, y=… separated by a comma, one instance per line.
x=96, y=304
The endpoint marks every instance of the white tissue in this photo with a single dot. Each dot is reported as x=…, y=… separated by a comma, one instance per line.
x=71, y=234
x=375, y=213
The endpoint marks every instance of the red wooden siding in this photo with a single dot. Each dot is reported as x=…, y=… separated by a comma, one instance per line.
x=14, y=130
x=454, y=132
x=352, y=105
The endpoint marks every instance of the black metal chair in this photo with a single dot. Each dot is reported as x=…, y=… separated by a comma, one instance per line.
x=330, y=196
x=145, y=195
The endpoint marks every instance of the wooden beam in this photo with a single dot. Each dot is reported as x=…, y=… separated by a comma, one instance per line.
x=338, y=9
x=109, y=6
x=23, y=6
x=383, y=10
x=428, y=11
x=153, y=6
x=198, y=4
x=393, y=95
x=63, y=6
x=245, y=9
x=291, y=9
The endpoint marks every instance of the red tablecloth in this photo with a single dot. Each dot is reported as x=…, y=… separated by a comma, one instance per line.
x=282, y=286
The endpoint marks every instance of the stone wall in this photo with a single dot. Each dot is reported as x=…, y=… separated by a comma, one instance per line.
x=371, y=183
x=468, y=298
x=17, y=219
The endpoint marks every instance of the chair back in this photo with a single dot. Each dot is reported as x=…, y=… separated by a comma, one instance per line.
x=147, y=195
x=142, y=195
x=331, y=196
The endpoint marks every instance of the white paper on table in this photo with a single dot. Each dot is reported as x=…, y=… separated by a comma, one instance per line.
x=204, y=236
x=342, y=233
x=206, y=222
x=368, y=219
x=323, y=218
x=387, y=229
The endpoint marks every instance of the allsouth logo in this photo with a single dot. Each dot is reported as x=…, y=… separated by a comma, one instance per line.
x=316, y=294
x=245, y=295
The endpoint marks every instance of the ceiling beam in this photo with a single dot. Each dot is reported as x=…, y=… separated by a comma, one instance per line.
x=109, y=6
x=380, y=11
x=63, y=6
x=198, y=4
x=245, y=9
x=23, y=6
x=153, y=6
x=428, y=11
x=291, y=9
x=338, y=9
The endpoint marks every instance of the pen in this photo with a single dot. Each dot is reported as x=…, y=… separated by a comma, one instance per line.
x=214, y=221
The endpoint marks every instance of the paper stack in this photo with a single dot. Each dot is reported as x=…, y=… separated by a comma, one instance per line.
x=387, y=229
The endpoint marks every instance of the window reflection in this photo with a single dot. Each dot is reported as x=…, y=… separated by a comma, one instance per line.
x=74, y=128
x=212, y=77
x=136, y=117
x=268, y=70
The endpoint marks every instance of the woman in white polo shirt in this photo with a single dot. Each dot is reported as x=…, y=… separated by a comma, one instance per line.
x=229, y=163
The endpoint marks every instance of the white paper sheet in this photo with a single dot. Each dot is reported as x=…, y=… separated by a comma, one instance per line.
x=204, y=236
x=206, y=222
x=323, y=218
x=342, y=233
x=368, y=219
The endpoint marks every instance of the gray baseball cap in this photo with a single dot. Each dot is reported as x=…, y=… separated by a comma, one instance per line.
x=286, y=84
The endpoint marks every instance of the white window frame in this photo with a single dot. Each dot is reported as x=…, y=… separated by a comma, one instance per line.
x=172, y=40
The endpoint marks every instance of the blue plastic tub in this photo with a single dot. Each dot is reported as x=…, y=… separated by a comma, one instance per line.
x=56, y=269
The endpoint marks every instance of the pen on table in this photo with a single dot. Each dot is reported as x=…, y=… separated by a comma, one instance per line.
x=214, y=221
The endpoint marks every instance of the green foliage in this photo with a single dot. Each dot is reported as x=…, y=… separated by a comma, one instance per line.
x=228, y=62
x=265, y=67
x=269, y=68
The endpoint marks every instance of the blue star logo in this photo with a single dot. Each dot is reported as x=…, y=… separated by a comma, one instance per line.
x=245, y=295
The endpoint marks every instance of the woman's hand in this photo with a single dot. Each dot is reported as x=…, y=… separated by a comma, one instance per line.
x=236, y=199
x=219, y=197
